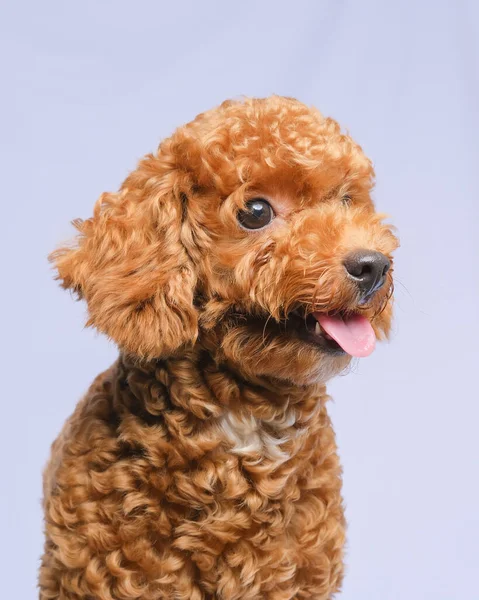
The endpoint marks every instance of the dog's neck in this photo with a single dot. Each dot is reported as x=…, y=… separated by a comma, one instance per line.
x=198, y=383
x=258, y=417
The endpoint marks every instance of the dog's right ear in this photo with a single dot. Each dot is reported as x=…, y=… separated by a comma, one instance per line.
x=131, y=265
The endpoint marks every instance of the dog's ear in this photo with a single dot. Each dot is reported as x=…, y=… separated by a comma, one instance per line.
x=131, y=266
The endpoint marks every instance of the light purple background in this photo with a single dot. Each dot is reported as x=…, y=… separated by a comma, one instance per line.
x=90, y=86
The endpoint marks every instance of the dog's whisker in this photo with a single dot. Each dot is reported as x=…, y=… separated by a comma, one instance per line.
x=404, y=287
x=264, y=330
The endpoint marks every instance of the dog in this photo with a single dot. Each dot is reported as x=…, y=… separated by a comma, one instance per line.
x=238, y=269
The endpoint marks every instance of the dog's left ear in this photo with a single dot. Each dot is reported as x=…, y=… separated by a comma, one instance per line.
x=131, y=265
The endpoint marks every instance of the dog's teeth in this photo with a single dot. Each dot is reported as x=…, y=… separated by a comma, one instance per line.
x=317, y=329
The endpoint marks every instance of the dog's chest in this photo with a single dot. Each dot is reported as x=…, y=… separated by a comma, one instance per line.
x=272, y=439
x=273, y=509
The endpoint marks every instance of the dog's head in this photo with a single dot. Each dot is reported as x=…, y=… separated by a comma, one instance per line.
x=254, y=224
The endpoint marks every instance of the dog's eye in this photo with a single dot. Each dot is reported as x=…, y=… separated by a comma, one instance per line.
x=257, y=214
x=346, y=200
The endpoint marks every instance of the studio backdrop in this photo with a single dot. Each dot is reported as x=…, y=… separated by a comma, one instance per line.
x=91, y=86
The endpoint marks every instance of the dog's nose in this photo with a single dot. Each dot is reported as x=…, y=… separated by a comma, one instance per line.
x=368, y=269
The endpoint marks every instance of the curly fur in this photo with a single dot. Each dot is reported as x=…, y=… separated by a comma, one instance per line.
x=202, y=464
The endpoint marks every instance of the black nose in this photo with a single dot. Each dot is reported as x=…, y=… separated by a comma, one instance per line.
x=368, y=269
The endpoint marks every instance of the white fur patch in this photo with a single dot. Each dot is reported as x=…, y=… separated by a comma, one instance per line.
x=249, y=435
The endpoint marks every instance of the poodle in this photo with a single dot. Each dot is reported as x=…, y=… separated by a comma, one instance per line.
x=238, y=269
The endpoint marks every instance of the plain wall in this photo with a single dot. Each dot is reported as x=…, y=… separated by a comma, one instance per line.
x=91, y=86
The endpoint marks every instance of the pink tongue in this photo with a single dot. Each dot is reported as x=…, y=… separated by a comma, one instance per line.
x=354, y=334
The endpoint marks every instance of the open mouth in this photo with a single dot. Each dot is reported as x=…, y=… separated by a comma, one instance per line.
x=338, y=333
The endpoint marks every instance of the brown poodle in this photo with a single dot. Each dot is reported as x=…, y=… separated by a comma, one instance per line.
x=238, y=269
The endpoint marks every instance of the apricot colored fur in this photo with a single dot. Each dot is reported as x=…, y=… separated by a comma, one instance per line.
x=202, y=465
